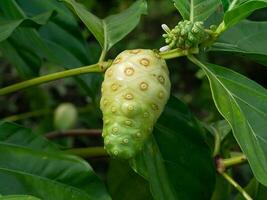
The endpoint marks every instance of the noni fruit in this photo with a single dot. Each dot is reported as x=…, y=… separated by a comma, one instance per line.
x=134, y=92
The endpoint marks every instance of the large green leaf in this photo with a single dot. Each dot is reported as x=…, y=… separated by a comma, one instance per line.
x=243, y=103
x=18, y=197
x=58, y=42
x=196, y=10
x=50, y=174
x=255, y=190
x=222, y=189
x=113, y=28
x=19, y=48
x=124, y=183
x=177, y=161
x=241, y=11
x=14, y=134
x=246, y=38
x=225, y=4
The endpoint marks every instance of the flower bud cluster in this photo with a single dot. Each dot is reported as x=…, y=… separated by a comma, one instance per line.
x=184, y=35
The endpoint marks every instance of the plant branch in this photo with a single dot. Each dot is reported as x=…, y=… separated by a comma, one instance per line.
x=88, y=152
x=42, y=112
x=232, y=5
x=103, y=55
x=223, y=164
x=99, y=67
x=217, y=142
x=237, y=160
x=174, y=53
x=194, y=60
x=26, y=115
x=73, y=133
x=236, y=186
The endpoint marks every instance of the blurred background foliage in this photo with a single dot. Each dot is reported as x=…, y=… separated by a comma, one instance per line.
x=68, y=44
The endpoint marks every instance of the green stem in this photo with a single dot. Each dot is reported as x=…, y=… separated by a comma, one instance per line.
x=221, y=28
x=174, y=53
x=103, y=55
x=88, y=152
x=236, y=186
x=217, y=142
x=99, y=67
x=232, y=5
x=229, y=162
x=38, y=113
x=192, y=11
x=194, y=60
x=26, y=115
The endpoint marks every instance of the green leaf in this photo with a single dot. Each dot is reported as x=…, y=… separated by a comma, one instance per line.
x=124, y=183
x=18, y=197
x=241, y=11
x=112, y=29
x=196, y=10
x=48, y=174
x=225, y=4
x=256, y=190
x=14, y=134
x=92, y=22
x=8, y=26
x=246, y=38
x=243, y=103
x=58, y=42
x=221, y=127
x=222, y=189
x=19, y=49
x=177, y=161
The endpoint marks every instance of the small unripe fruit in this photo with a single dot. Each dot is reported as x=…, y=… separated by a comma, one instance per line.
x=65, y=116
x=134, y=92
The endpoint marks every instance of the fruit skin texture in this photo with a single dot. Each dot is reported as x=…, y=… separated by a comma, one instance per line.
x=134, y=92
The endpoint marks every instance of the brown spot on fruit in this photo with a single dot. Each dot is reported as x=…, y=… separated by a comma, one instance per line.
x=161, y=79
x=161, y=95
x=130, y=108
x=114, y=87
x=125, y=141
x=115, y=130
x=129, y=96
x=135, y=51
x=154, y=106
x=109, y=72
x=146, y=114
x=138, y=134
x=117, y=60
x=128, y=122
x=129, y=71
x=113, y=109
x=145, y=62
x=143, y=86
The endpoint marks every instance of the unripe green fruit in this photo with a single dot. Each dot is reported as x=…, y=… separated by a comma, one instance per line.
x=134, y=92
x=65, y=116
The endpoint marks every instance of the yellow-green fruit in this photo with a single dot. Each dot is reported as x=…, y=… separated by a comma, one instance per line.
x=65, y=116
x=134, y=92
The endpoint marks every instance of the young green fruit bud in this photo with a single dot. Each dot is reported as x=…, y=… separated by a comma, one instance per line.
x=134, y=92
x=65, y=116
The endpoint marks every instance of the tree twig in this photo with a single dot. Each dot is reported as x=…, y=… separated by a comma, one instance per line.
x=88, y=152
x=74, y=133
x=99, y=67
x=236, y=186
